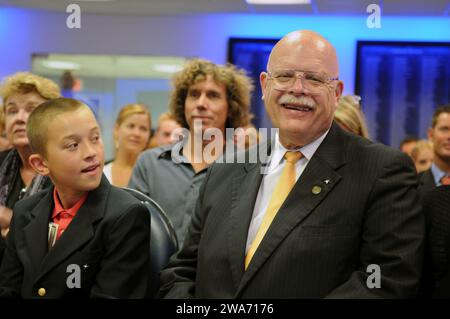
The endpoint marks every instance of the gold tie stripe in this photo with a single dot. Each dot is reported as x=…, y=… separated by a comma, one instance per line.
x=284, y=185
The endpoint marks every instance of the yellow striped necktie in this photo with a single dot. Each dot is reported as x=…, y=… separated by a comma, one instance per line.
x=284, y=185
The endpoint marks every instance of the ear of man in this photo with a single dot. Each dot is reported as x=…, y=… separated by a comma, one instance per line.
x=38, y=163
x=338, y=90
x=263, y=83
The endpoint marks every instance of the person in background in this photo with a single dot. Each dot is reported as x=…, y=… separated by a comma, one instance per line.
x=437, y=175
x=208, y=95
x=5, y=144
x=439, y=135
x=407, y=144
x=422, y=155
x=350, y=117
x=21, y=94
x=131, y=137
x=163, y=135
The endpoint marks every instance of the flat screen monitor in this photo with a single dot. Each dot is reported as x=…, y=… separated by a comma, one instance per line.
x=252, y=56
x=401, y=84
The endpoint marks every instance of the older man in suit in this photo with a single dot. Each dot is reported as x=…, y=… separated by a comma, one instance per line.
x=333, y=215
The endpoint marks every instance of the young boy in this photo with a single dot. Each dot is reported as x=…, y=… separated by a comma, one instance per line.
x=84, y=238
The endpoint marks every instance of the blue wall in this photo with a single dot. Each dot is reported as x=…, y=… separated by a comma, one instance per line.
x=23, y=32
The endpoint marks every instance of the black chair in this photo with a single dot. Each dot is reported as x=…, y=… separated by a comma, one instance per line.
x=163, y=239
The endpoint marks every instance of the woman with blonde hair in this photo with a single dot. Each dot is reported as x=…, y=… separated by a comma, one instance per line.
x=21, y=94
x=422, y=155
x=350, y=117
x=131, y=137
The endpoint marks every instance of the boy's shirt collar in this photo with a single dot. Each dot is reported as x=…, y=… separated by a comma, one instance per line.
x=72, y=211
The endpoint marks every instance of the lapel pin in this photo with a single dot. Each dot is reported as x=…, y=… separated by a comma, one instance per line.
x=316, y=190
x=327, y=181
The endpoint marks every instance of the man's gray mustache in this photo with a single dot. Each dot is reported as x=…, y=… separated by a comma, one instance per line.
x=287, y=99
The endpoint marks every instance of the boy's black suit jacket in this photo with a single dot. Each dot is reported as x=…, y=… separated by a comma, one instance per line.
x=108, y=239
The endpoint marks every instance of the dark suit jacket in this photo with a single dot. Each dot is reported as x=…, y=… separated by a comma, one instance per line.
x=109, y=239
x=437, y=208
x=14, y=194
x=426, y=182
x=319, y=245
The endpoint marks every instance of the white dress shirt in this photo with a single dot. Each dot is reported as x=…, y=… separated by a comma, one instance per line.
x=275, y=167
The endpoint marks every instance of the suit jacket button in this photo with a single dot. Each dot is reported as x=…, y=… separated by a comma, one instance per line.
x=316, y=190
x=42, y=292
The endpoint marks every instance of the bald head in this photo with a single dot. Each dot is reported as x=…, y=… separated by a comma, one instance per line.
x=298, y=44
x=301, y=107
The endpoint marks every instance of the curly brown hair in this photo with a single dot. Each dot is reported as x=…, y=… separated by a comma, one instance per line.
x=237, y=84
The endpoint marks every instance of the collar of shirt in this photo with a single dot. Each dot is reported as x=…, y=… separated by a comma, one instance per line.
x=279, y=150
x=173, y=152
x=72, y=211
x=437, y=174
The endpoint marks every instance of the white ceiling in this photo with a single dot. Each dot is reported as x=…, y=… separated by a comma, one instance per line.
x=173, y=7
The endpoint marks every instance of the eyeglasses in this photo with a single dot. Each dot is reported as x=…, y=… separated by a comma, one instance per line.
x=312, y=81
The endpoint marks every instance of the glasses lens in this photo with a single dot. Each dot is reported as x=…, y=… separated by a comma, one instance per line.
x=310, y=80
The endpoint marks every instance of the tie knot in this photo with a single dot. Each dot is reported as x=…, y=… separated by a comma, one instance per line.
x=445, y=180
x=292, y=157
